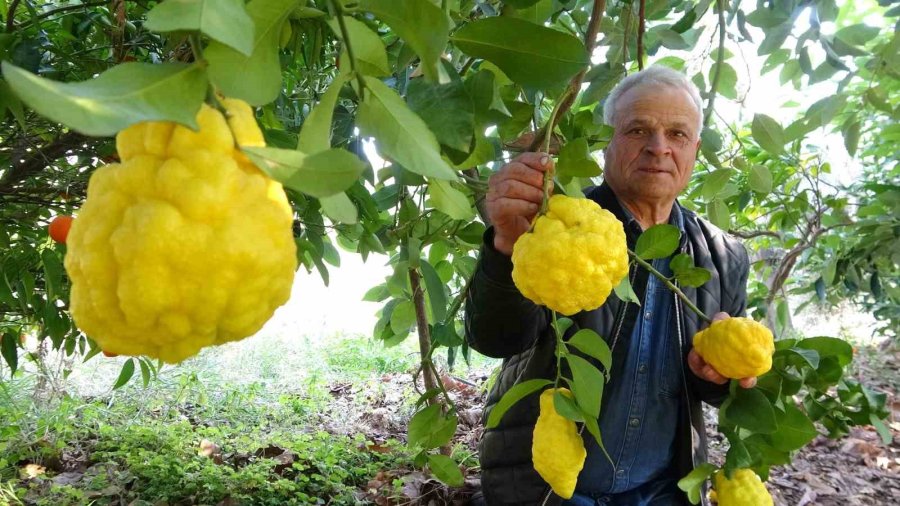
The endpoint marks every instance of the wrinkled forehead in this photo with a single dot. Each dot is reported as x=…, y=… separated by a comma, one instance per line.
x=657, y=102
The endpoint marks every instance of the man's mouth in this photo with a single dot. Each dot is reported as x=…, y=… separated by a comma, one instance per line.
x=652, y=170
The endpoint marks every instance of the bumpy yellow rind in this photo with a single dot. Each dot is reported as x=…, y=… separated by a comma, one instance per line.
x=573, y=258
x=182, y=245
x=736, y=347
x=557, y=450
x=743, y=489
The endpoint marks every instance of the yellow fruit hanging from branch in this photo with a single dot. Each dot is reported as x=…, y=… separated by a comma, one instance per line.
x=573, y=258
x=557, y=450
x=184, y=244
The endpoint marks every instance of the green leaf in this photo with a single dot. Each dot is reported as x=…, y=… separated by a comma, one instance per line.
x=339, y=208
x=521, y=4
x=531, y=55
x=223, y=20
x=125, y=374
x=9, y=344
x=445, y=469
x=566, y=407
x=512, y=396
x=718, y=214
x=810, y=357
x=449, y=200
x=851, y=137
x=672, y=39
x=694, y=277
x=727, y=86
x=692, y=484
x=145, y=372
x=376, y=294
x=760, y=179
x=625, y=292
x=562, y=325
x=399, y=133
x=447, y=109
x=53, y=274
x=430, y=429
x=714, y=183
x=435, y=290
x=321, y=174
x=587, y=385
x=403, y=317
x=423, y=25
x=658, y=241
x=768, y=133
x=750, y=409
x=255, y=79
x=575, y=160
x=738, y=456
x=122, y=96
x=857, y=35
x=795, y=430
x=368, y=49
x=590, y=343
x=882, y=429
x=829, y=347
x=315, y=134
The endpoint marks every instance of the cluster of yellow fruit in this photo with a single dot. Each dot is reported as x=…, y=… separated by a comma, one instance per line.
x=570, y=261
x=185, y=243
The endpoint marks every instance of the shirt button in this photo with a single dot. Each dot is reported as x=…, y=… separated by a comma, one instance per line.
x=634, y=422
x=647, y=315
x=642, y=368
x=620, y=473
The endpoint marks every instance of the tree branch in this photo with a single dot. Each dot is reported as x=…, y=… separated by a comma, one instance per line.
x=640, y=38
x=37, y=159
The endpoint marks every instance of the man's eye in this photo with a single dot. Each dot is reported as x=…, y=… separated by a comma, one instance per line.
x=679, y=133
x=637, y=131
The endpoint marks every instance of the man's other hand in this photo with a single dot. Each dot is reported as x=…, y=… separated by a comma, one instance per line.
x=514, y=197
x=705, y=371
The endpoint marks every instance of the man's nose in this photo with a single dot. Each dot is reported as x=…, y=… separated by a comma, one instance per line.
x=657, y=144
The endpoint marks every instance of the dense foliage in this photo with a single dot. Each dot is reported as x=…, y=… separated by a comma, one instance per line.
x=448, y=90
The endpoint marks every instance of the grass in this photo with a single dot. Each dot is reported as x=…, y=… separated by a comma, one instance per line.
x=256, y=407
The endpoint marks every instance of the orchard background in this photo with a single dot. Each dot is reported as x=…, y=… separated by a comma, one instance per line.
x=361, y=389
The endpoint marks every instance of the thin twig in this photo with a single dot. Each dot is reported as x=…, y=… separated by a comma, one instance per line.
x=640, y=38
x=677, y=291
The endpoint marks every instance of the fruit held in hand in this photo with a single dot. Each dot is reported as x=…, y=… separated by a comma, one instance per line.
x=59, y=228
x=557, y=449
x=736, y=347
x=184, y=244
x=573, y=258
x=743, y=489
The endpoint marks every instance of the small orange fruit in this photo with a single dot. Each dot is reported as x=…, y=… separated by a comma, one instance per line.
x=59, y=228
x=110, y=354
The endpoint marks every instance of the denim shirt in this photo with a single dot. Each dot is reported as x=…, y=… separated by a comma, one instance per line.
x=638, y=424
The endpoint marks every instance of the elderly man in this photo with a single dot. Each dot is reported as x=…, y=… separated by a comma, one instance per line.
x=651, y=418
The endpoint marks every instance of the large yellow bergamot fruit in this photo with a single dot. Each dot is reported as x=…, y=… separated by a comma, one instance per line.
x=743, y=489
x=573, y=258
x=557, y=450
x=736, y=347
x=184, y=244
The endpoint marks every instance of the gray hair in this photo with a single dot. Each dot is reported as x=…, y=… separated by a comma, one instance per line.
x=656, y=74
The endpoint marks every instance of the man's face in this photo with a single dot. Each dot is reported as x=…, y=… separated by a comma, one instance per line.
x=652, y=153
